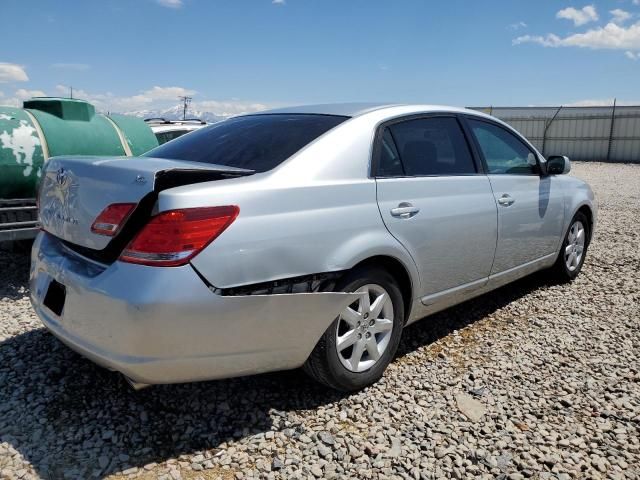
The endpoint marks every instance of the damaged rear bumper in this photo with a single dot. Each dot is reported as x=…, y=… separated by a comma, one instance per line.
x=164, y=325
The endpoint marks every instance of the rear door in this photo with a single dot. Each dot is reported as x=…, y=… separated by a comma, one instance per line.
x=435, y=201
x=530, y=206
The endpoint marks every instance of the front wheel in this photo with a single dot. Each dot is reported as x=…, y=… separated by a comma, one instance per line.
x=357, y=347
x=574, y=249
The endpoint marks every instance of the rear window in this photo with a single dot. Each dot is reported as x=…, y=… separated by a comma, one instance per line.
x=164, y=137
x=255, y=142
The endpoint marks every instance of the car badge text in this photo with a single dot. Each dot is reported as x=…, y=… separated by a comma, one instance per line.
x=66, y=219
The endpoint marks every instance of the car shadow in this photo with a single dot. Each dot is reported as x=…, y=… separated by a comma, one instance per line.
x=71, y=418
x=14, y=269
x=434, y=327
x=63, y=413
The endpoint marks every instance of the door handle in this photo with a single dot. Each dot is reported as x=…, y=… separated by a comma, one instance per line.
x=404, y=210
x=506, y=200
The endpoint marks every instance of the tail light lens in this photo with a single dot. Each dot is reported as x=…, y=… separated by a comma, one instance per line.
x=112, y=218
x=172, y=238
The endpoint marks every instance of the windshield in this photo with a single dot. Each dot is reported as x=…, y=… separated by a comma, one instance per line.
x=254, y=142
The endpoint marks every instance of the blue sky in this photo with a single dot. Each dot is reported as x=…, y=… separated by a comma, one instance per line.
x=237, y=55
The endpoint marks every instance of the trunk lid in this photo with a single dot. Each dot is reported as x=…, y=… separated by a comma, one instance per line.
x=74, y=190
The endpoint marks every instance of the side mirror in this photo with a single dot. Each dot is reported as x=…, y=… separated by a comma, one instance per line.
x=558, y=165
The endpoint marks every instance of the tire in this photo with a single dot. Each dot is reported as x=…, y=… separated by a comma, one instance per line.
x=566, y=270
x=333, y=368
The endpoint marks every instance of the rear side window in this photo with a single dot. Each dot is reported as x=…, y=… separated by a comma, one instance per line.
x=254, y=142
x=431, y=146
x=389, y=164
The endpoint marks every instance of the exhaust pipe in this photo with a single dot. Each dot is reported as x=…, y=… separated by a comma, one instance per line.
x=137, y=386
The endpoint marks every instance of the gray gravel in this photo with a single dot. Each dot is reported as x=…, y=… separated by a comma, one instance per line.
x=532, y=381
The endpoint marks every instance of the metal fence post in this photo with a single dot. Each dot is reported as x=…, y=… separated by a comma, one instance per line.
x=546, y=127
x=613, y=120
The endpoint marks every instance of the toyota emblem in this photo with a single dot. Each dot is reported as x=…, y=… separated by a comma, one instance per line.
x=61, y=176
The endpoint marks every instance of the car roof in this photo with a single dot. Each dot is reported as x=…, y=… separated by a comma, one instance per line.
x=166, y=121
x=173, y=127
x=344, y=109
x=357, y=109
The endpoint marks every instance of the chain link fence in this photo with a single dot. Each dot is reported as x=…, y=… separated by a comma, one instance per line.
x=610, y=134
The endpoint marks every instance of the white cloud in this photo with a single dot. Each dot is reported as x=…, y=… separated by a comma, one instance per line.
x=19, y=96
x=611, y=36
x=279, y=2
x=160, y=98
x=518, y=26
x=152, y=97
x=63, y=91
x=619, y=15
x=71, y=66
x=579, y=17
x=157, y=93
x=228, y=108
x=171, y=3
x=550, y=40
x=23, y=94
x=632, y=55
x=10, y=72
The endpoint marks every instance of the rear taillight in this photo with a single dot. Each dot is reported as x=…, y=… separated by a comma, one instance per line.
x=112, y=218
x=172, y=238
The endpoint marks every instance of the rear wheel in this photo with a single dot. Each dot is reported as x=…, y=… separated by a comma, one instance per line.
x=357, y=347
x=574, y=249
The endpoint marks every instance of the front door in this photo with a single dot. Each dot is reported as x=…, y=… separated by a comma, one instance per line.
x=530, y=206
x=435, y=203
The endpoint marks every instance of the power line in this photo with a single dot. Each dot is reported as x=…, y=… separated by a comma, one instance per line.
x=185, y=105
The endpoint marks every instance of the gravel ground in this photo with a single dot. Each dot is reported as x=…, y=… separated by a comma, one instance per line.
x=531, y=381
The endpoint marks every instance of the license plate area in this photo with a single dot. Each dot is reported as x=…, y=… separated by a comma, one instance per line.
x=55, y=297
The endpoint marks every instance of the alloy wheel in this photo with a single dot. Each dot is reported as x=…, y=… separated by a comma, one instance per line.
x=364, y=328
x=575, y=246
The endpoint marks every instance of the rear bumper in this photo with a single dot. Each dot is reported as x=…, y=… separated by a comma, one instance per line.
x=164, y=325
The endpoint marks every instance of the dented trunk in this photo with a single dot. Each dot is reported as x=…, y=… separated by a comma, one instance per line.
x=75, y=190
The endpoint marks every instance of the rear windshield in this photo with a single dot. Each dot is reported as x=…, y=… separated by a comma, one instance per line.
x=255, y=142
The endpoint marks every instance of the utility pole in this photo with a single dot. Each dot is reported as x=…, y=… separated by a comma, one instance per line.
x=185, y=104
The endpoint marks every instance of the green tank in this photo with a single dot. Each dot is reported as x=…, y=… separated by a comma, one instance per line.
x=47, y=127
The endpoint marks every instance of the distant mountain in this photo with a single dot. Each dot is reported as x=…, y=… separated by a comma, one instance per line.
x=175, y=113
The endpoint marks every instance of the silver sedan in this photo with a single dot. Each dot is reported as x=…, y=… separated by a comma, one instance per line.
x=305, y=236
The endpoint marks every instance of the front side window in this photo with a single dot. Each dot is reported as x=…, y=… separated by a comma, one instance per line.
x=432, y=146
x=254, y=142
x=504, y=153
